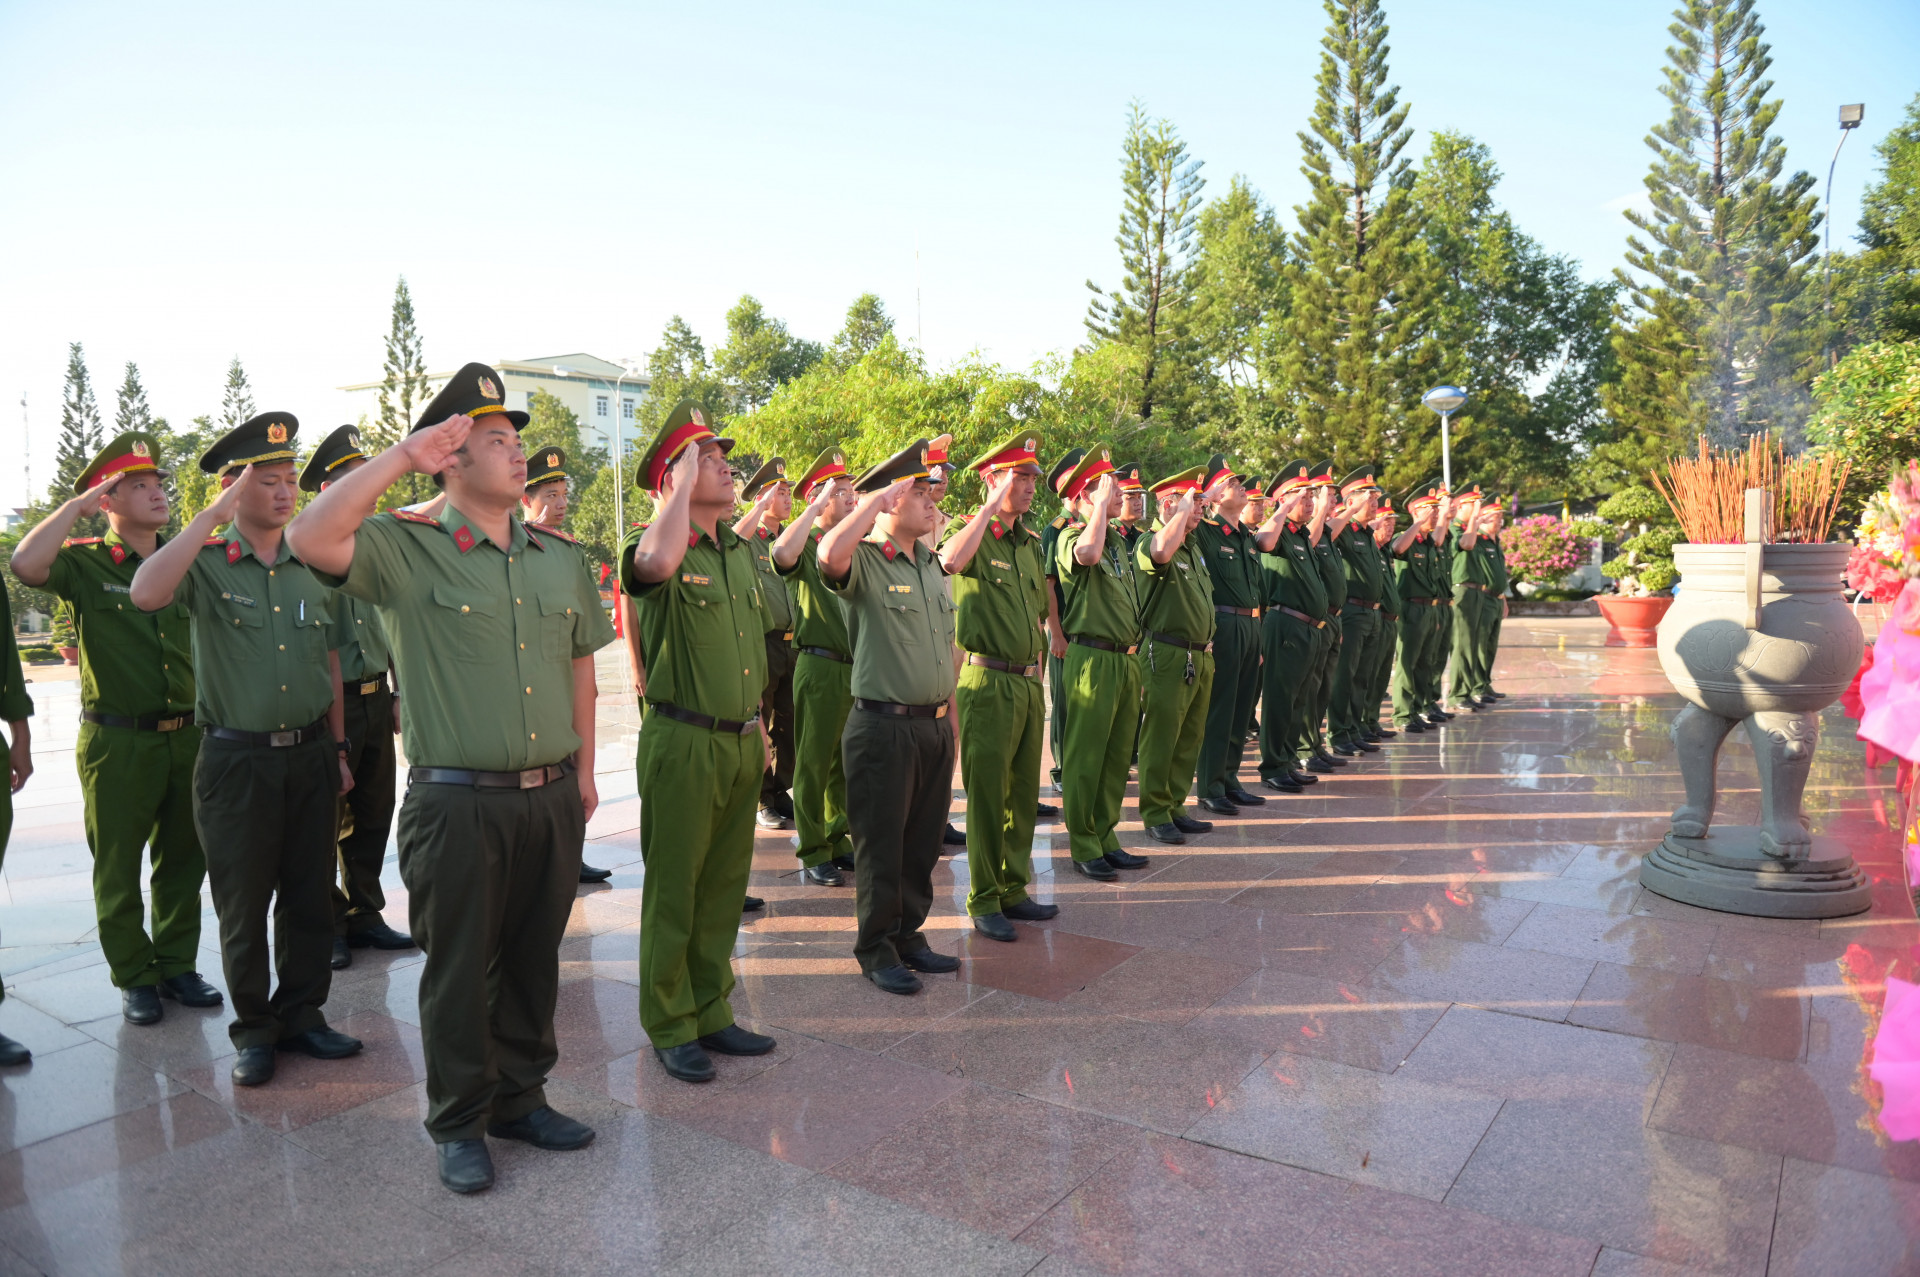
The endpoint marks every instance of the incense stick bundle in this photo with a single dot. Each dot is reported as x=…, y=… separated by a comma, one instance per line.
x=1707, y=493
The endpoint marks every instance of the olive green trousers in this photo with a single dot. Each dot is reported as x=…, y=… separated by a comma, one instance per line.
x=1419, y=625
x=1001, y=720
x=1287, y=646
x=366, y=812
x=1230, y=705
x=900, y=789
x=1103, y=715
x=822, y=699
x=1178, y=688
x=1353, y=672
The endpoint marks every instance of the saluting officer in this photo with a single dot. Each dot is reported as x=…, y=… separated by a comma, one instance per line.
x=1056, y=609
x=16, y=707
x=1417, y=576
x=1325, y=523
x=544, y=505
x=273, y=753
x=1380, y=673
x=1348, y=713
x=899, y=748
x=372, y=715
x=1294, y=603
x=771, y=498
x=1445, y=543
x=493, y=625
x=1474, y=603
x=1176, y=613
x=822, y=674
x=1492, y=517
x=1133, y=516
x=1001, y=593
x=1102, y=680
x=1233, y=568
x=137, y=741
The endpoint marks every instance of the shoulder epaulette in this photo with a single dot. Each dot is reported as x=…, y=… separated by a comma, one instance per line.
x=555, y=532
x=1060, y=521
x=414, y=516
x=81, y=541
x=210, y=542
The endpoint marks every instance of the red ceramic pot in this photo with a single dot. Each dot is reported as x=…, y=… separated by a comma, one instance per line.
x=1634, y=621
x=71, y=655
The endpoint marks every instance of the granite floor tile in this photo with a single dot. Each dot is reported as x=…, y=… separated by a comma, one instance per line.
x=613, y=955
x=595, y=1020
x=817, y=990
x=1519, y=1057
x=1456, y=908
x=306, y=1090
x=1834, y=1220
x=1442, y=969
x=1372, y=1128
x=1657, y=906
x=39, y=1032
x=1162, y=986
x=68, y=1089
x=1133, y=918
x=185, y=1038
x=1698, y=1009
x=1758, y=957
x=107, y=1147
x=71, y=996
x=486, y=1261
x=1359, y=1024
x=1373, y=1232
x=1664, y=944
x=391, y=988
x=1603, y=895
x=1621, y=1263
x=1045, y=962
x=639, y=1081
x=1306, y=944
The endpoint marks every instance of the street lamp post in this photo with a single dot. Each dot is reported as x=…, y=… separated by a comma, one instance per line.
x=619, y=442
x=1446, y=401
x=1850, y=117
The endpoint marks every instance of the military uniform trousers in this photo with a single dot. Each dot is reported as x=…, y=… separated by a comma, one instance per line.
x=1288, y=646
x=1103, y=715
x=266, y=821
x=1490, y=639
x=1316, y=689
x=1177, y=694
x=1001, y=717
x=366, y=812
x=1439, y=648
x=1386, y=646
x=1419, y=631
x=1353, y=672
x=1236, y=690
x=490, y=876
x=697, y=789
x=899, y=791
x=776, y=711
x=1056, y=712
x=1473, y=613
x=137, y=789
x=822, y=699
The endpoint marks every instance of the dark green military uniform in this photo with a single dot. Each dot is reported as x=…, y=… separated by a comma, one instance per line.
x=898, y=745
x=1176, y=620
x=1478, y=582
x=1102, y=679
x=1318, y=693
x=1233, y=568
x=15, y=706
x=1380, y=674
x=1490, y=638
x=1416, y=572
x=1294, y=597
x=776, y=703
x=1446, y=544
x=1057, y=665
x=822, y=692
x=1348, y=715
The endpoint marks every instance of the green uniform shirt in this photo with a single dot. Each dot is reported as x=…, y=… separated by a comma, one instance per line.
x=259, y=637
x=1445, y=550
x=1176, y=597
x=1415, y=571
x=1002, y=594
x=1389, y=587
x=360, y=636
x=15, y=704
x=1498, y=577
x=821, y=619
x=484, y=637
x=1102, y=599
x=901, y=622
x=1290, y=577
x=1233, y=563
x=1333, y=573
x=1366, y=571
x=133, y=664
x=702, y=623
x=1483, y=565
x=773, y=587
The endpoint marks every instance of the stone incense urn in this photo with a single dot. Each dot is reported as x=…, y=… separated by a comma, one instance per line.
x=1758, y=637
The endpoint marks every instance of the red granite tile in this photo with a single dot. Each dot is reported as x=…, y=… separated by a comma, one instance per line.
x=1696, y=1009
x=1162, y=986
x=305, y=1090
x=106, y=1147
x=1353, y=1023
x=1046, y=962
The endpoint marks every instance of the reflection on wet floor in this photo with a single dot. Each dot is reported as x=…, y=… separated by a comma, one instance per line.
x=1420, y=1019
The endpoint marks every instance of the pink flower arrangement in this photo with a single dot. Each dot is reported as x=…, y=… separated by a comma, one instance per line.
x=1886, y=550
x=1542, y=549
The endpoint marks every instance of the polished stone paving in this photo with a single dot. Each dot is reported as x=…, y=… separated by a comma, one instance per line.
x=1423, y=1020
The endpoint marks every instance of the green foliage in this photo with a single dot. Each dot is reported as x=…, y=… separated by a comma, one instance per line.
x=551, y=424
x=1643, y=524
x=1240, y=293
x=868, y=324
x=590, y=516
x=22, y=598
x=1890, y=231
x=677, y=369
x=760, y=356
x=193, y=489
x=1635, y=505
x=403, y=393
x=79, y=424
x=1869, y=413
x=236, y=402
x=131, y=412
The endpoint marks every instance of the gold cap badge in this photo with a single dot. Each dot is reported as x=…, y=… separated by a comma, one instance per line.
x=553, y=460
x=488, y=389
x=140, y=448
x=276, y=433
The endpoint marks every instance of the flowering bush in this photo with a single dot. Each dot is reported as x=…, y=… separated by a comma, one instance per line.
x=1886, y=550
x=1541, y=549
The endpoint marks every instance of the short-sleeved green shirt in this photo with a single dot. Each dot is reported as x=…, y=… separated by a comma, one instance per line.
x=901, y=622
x=15, y=704
x=1333, y=573
x=1483, y=565
x=1415, y=571
x=1290, y=575
x=1233, y=562
x=259, y=637
x=1176, y=597
x=1002, y=594
x=1366, y=572
x=773, y=586
x=1389, y=587
x=821, y=619
x=1500, y=578
x=483, y=636
x=703, y=629
x=1050, y=554
x=133, y=664
x=1102, y=598
x=360, y=636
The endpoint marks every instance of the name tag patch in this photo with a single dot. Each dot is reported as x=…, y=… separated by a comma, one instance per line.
x=1004, y=567
x=113, y=588
x=694, y=578
x=899, y=589
x=241, y=599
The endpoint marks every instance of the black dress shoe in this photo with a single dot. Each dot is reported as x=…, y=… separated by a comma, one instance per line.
x=750, y=903
x=189, y=990
x=1188, y=825
x=688, y=1061
x=465, y=1165
x=254, y=1067
x=1329, y=759
x=1031, y=911
x=322, y=1044
x=1299, y=777
x=1318, y=764
x=342, y=955
x=1122, y=859
x=768, y=818
x=1244, y=799
x=1370, y=733
x=1364, y=746
x=953, y=837
x=381, y=936
x=930, y=962
x=589, y=873
x=896, y=980
x=783, y=803
x=1219, y=806
x=1498, y=696
x=1169, y=833
x=994, y=926
x=1097, y=868
x=1439, y=716
x=734, y=1040
x=1045, y=810
x=1384, y=733
x=12, y=1053
x=1344, y=750
x=140, y=1004
x=824, y=874
x=544, y=1128
x=1282, y=784
x=1414, y=726
x=843, y=863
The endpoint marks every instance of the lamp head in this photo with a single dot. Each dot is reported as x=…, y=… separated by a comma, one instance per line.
x=1444, y=399
x=1851, y=115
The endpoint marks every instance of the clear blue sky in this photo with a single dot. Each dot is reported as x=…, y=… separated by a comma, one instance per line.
x=186, y=182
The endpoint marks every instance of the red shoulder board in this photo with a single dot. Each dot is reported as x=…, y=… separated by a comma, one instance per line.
x=886, y=548
x=80, y=541
x=463, y=537
x=414, y=516
x=234, y=552
x=119, y=553
x=554, y=532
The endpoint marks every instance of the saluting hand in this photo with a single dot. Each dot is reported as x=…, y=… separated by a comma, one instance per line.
x=228, y=501
x=997, y=489
x=895, y=491
x=1103, y=490
x=429, y=450
x=686, y=469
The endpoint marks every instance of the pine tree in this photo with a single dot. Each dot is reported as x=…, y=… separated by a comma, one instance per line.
x=236, y=403
x=760, y=356
x=1242, y=297
x=1890, y=230
x=80, y=436
x=403, y=386
x=868, y=324
x=677, y=369
x=1358, y=353
x=1720, y=265
x=131, y=412
x=1153, y=309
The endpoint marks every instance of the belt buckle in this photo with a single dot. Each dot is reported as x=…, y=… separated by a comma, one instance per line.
x=280, y=740
x=533, y=778
x=169, y=724
x=940, y=712
x=1134, y=649
x=369, y=688
x=787, y=637
x=749, y=725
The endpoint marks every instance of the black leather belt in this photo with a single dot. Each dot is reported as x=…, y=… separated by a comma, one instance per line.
x=827, y=654
x=1366, y=603
x=1236, y=611
x=152, y=723
x=531, y=778
x=1171, y=641
x=1005, y=667
x=708, y=721
x=367, y=687
x=1433, y=602
x=272, y=740
x=904, y=711
x=1486, y=590
x=1102, y=644
x=786, y=636
x=1299, y=616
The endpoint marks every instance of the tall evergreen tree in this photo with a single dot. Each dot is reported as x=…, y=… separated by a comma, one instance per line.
x=1153, y=309
x=131, y=412
x=236, y=402
x=80, y=436
x=403, y=384
x=1242, y=294
x=760, y=355
x=1890, y=231
x=678, y=369
x=1717, y=274
x=1358, y=353
x=868, y=324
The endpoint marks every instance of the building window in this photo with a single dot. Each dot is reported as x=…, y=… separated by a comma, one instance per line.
x=599, y=405
x=626, y=408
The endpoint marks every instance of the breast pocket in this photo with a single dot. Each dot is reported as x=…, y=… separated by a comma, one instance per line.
x=245, y=621
x=467, y=621
x=943, y=618
x=906, y=619
x=310, y=627
x=557, y=617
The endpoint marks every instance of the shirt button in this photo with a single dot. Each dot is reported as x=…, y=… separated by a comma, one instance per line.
x=529, y=691
x=516, y=602
x=276, y=607
x=283, y=647
x=533, y=735
x=269, y=571
x=283, y=687
x=464, y=608
x=523, y=647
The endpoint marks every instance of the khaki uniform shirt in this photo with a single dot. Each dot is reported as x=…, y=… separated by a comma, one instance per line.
x=484, y=636
x=360, y=636
x=822, y=617
x=259, y=637
x=901, y=622
x=1002, y=594
x=1290, y=575
x=703, y=629
x=1233, y=563
x=773, y=587
x=1102, y=598
x=1176, y=597
x=133, y=664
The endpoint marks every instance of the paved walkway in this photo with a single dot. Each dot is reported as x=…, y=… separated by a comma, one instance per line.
x=1423, y=1021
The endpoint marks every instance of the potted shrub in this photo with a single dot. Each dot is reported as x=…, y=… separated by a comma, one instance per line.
x=1642, y=572
x=63, y=637
x=1542, y=551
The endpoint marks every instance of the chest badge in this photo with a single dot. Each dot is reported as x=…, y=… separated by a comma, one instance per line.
x=899, y=589
x=694, y=578
x=241, y=599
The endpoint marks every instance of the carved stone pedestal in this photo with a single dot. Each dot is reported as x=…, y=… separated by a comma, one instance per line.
x=1728, y=871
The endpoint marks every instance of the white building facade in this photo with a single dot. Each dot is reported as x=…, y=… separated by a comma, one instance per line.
x=602, y=395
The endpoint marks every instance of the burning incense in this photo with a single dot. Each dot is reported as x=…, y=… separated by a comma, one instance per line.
x=1707, y=493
